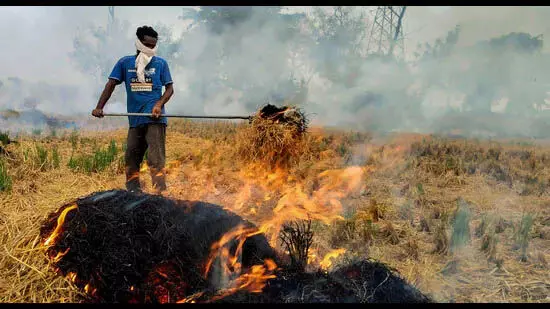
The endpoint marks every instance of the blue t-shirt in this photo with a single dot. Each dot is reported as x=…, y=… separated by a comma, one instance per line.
x=141, y=97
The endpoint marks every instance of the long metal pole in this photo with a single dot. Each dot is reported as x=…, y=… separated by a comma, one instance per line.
x=175, y=116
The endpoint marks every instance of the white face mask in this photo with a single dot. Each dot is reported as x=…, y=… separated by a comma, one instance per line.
x=143, y=59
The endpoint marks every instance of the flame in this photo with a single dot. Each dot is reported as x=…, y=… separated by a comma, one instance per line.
x=191, y=299
x=60, y=255
x=326, y=262
x=60, y=221
x=89, y=290
x=71, y=276
x=254, y=281
x=311, y=256
x=240, y=233
x=295, y=201
x=269, y=199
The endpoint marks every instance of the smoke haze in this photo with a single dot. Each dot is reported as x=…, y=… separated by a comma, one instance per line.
x=57, y=60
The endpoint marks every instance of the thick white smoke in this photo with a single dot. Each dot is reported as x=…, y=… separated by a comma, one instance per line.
x=453, y=79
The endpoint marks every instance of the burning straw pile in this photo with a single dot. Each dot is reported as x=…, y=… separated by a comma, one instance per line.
x=122, y=247
x=275, y=136
x=138, y=248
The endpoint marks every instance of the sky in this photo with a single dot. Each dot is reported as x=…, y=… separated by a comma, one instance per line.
x=51, y=30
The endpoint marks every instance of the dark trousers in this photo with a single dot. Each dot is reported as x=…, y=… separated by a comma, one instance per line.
x=150, y=138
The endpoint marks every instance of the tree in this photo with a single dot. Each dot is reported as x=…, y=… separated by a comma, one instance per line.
x=339, y=42
x=169, y=47
x=443, y=47
x=510, y=66
x=220, y=19
x=240, y=49
x=96, y=50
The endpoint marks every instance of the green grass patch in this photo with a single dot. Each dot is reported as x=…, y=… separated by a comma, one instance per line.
x=4, y=138
x=96, y=162
x=5, y=179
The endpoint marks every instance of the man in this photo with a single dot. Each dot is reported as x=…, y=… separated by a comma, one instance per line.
x=144, y=75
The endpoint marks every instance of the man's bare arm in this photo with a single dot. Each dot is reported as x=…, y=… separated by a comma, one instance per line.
x=168, y=92
x=105, y=95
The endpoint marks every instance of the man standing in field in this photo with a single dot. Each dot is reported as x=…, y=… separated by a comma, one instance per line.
x=144, y=75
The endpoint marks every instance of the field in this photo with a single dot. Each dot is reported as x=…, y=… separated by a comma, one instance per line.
x=462, y=220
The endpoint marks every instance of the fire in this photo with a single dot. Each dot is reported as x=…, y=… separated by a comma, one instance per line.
x=71, y=276
x=89, y=290
x=190, y=299
x=327, y=260
x=58, y=228
x=269, y=199
x=60, y=255
x=240, y=233
x=253, y=281
x=243, y=197
x=311, y=256
x=295, y=201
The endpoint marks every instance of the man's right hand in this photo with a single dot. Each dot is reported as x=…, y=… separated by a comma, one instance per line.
x=98, y=112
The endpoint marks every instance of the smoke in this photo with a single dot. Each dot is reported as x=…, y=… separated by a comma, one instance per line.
x=489, y=70
x=253, y=68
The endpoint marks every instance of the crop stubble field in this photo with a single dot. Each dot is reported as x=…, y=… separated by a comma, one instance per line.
x=462, y=220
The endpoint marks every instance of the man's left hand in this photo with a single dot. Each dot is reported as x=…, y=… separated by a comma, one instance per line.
x=157, y=110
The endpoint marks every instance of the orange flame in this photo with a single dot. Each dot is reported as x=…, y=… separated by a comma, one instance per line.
x=327, y=260
x=240, y=233
x=60, y=221
x=311, y=256
x=60, y=255
x=71, y=276
x=270, y=199
x=295, y=201
x=190, y=299
x=89, y=290
x=253, y=281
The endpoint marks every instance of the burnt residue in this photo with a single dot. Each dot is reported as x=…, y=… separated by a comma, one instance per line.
x=140, y=248
x=113, y=247
x=285, y=115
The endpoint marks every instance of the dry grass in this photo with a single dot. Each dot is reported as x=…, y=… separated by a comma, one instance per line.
x=272, y=144
x=403, y=217
x=297, y=238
